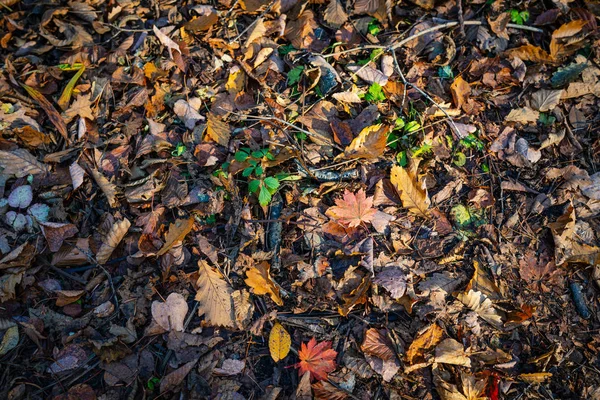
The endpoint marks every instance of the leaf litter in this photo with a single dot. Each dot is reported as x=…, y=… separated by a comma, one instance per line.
x=326, y=199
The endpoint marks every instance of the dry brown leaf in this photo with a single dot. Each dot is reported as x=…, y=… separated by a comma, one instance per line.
x=170, y=315
x=569, y=29
x=177, y=232
x=77, y=174
x=353, y=210
x=53, y=115
x=368, y=74
x=55, y=233
x=393, y=279
x=483, y=306
x=111, y=241
x=20, y=163
x=218, y=131
x=335, y=14
x=175, y=378
x=535, y=377
x=461, y=90
x=187, y=112
x=546, y=100
x=324, y=390
x=499, y=25
x=81, y=107
x=214, y=296
x=166, y=41
x=108, y=188
x=376, y=343
x=258, y=31
x=449, y=351
x=530, y=52
x=369, y=144
x=425, y=341
x=259, y=279
x=524, y=115
x=413, y=197
x=356, y=297
x=66, y=297
x=347, y=97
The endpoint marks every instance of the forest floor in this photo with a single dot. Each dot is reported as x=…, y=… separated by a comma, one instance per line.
x=327, y=199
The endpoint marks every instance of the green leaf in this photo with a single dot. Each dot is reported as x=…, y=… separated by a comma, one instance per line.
x=295, y=74
x=271, y=183
x=547, y=119
x=264, y=196
x=461, y=215
x=375, y=93
x=374, y=27
x=402, y=159
x=240, y=155
x=445, y=72
x=283, y=50
x=460, y=159
x=412, y=126
x=424, y=149
x=247, y=172
x=259, y=170
x=519, y=17
x=253, y=185
x=399, y=123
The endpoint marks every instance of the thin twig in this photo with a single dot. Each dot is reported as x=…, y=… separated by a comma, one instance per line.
x=253, y=22
x=461, y=18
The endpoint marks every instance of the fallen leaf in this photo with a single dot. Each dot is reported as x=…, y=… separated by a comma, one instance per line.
x=54, y=116
x=280, y=342
x=524, y=115
x=393, y=279
x=214, y=296
x=423, y=342
x=461, y=90
x=77, y=175
x=318, y=359
x=449, y=351
x=259, y=279
x=177, y=232
x=175, y=378
x=353, y=210
x=117, y=232
x=376, y=343
x=56, y=232
x=166, y=41
x=170, y=315
x=413, y=197
x=530, y=52
x=483, y=306
x=10, y=339
x=369, y=144
x=217, y=130
x=535, y=377
x=368, y=74
x=335, y=14
x=108, y=188
x=324, y=390
x=230, y=367
x=187, y=113
x=81, y=107
x=20, y=163
x=20, y=197
x=546, y=100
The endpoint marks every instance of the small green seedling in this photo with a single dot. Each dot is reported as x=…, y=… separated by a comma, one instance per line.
x=179, y=150
x=264, y=189
x=375, y=93
x=519, y=17
x=374, y=27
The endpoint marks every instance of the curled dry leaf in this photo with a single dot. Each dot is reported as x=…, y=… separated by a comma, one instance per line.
x=461, y=90
x=187, y=113
x=317, y=359
x=66, y=297
x=483, y=306
x=414, y=197
x=259, y=279
x=77, y=174
x=117, y=232
x=166, y=41
x=280, y=342
x=170, y=315
x=214, y=296
x=108, y=188
x=335, y=14
x=530, y=52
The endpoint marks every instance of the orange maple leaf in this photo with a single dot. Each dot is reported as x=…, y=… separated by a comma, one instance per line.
x=318, y=359
x=353, y=210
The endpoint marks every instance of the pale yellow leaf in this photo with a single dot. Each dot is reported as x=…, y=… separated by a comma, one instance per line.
x=170, y=315
x=111, y=241
x=449, y=351
x=215, y=297
x=483, y=306
x=217, y=130
x=523, y=115
x=177, y=232
x=414, y=197
x=279, y=342
x=369, y=144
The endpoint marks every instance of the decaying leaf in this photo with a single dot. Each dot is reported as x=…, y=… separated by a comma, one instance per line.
x=56, y=232
x=117, y=232
x=259, y=279
x=545, y=100
x=316, y=358
x=175, y=378
x=483, y=306
x=177, y=232
x=377, y=344
x=460, y=91
x=108, y=188
x=170, y=315
x=414, y=197
x=217, y=130
x=10, y=339
x=335, y=14
x=369, y=144
x=449, y=351
x=393, y=279
x=214, y=296
x=188, y=112
x=20, y=163
x=279, y=342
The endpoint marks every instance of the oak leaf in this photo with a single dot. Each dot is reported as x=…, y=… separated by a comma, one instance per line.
x=279, y=342
x=259, y=279
x=318, y=359
x=353, y=210
x=414, y=197
x=214, y=296
x=177, y=232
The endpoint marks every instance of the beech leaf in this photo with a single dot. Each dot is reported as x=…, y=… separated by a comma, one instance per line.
x=279, y=342
x=413, y=197
x=111, y=241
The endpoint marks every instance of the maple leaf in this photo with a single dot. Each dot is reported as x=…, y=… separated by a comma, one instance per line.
x=539, y=272
x=318, y=359
x=353, y=210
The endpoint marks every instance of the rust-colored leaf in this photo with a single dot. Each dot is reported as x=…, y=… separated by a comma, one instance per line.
x=54, y=116
x=353, y=210
x=316, y=358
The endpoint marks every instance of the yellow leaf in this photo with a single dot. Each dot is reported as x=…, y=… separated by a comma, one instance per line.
x=369, y=144
x=424, y=341
x=236, y=80
x=530, y=52
x=261, y=282
x=108, y=188
x=177, y=232
x=569, y=29
x=217, y=130
x=413, y=197
x=65, y=97
x=536, y=377
x=279, y=342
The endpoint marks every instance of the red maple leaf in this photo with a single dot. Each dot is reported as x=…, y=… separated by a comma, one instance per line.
x=318, y=359
x=353, y=210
